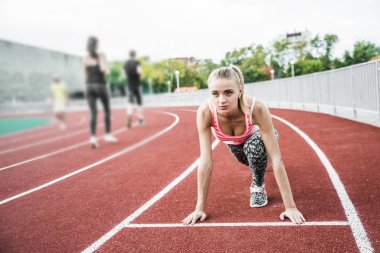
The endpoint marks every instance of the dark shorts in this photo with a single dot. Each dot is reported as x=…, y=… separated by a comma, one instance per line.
x=134, y=96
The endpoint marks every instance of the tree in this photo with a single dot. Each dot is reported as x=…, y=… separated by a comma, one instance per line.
x=364, y=51
x=280, y=51
x=163, y=72
x=236, y=56
x=116, y=78
x=300, y=49
x=317, y=47
x=253, y=67
x=205, y=70
x=311, y=66
x=250, y=60
x=156, y=74
x=347, y=58
x=329, y=41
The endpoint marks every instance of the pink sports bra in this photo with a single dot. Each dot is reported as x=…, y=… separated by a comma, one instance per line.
x=230, y=139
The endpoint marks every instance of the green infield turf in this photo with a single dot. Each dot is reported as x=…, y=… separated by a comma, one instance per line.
x=12, y=125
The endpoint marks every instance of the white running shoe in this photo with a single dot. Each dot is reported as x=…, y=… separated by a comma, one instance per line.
x=258, y=196
x=129, y=121
x=109, y=138
x=94, y=142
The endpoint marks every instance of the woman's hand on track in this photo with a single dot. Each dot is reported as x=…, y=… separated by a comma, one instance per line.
x=294, y=215
x=194, y=217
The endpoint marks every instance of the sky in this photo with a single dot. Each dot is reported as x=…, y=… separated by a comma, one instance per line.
x=162, y=29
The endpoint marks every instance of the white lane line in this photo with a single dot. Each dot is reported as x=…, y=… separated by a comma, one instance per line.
x=58, y=151
x=63, y=149
x=132, y=147
x=356, y=225
x=57, y=138
x=240, y=224
x=144, y=207
x=13, y=140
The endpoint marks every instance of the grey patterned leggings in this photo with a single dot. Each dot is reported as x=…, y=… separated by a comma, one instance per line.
x=252, y=153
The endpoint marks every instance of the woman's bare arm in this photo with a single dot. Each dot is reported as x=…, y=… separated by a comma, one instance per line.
x=103, y=63
x=204, y=165
x=84, y=69
x=261, y=115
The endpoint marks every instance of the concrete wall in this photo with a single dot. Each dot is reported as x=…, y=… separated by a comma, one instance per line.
x=26, y=72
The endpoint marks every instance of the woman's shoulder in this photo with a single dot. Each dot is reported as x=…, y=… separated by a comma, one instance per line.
x=260, y=104
x=100, y=55
x=204, y=108
x=249, y=100
x=204, y=112
x=252, y=100
x=88, y=60
x=260, y=111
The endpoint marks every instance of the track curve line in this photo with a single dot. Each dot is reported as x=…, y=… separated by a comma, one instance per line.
x=126, y=150
x=353, y=218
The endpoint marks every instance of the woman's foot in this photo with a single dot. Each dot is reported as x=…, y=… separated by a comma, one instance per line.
x=93, y=142
x=258, y=196
x=129, y=121
x=62, y=126
x=109, y=138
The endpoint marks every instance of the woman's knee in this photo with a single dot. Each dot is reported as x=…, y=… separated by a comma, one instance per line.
x=254, y=142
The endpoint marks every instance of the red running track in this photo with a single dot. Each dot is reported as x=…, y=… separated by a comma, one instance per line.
x=72, y=214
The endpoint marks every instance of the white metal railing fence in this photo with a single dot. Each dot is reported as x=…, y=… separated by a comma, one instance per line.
x=354, y=89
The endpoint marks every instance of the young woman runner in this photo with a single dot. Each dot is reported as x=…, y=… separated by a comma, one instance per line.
x=245, y=125
x=95, y=70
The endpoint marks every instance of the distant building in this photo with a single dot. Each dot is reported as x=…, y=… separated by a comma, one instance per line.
x=295, y=37
x=185, y=89
x=26, y=72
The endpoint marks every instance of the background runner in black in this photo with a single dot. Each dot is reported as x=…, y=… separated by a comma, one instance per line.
x=95, y=70
x=133, y=72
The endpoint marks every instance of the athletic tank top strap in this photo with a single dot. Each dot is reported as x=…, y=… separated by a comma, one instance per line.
x=210, y=106
x=214, y=115
x=251, y=110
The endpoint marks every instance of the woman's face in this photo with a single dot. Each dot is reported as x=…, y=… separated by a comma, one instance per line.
x=225, y=95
